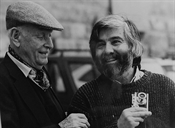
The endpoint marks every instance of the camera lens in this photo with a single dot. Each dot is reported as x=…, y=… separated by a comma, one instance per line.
x=142, y=95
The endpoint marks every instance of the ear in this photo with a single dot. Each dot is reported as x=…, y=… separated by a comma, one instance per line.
x=14, y=36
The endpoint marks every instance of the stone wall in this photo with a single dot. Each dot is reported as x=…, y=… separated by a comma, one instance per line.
x=77, y=17
x=156, y=19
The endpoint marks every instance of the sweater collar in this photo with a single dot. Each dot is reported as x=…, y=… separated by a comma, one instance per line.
x=138, y=74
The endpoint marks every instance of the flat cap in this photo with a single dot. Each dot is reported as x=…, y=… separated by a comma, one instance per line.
x=23, y=12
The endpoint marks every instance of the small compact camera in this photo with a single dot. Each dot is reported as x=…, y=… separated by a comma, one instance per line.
x=140, y=99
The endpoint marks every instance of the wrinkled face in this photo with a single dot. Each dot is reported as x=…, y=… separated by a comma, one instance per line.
x=112, y=55
x=35, y=45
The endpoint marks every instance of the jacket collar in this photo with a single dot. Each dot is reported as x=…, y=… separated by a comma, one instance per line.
x=26, y=92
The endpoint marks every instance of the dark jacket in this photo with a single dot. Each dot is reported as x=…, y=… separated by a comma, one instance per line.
x=20, y=101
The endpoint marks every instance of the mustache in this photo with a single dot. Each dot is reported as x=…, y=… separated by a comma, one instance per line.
x=123, y=61
x=114, y=56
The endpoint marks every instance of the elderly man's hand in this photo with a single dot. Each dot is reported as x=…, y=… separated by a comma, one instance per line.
x=75, y=121
x=131, y=117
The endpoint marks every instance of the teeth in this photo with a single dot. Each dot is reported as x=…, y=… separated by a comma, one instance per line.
x=43, y=53
x=110, y=60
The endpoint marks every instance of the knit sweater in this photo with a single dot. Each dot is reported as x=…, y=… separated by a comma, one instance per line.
x=103, y=101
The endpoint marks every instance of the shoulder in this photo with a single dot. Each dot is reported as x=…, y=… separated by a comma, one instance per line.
x=160, y=80
x=156, y=76
x=88, y=87
x=160, y=77
x=3, y=71
x=91, y=87
x=8, y=72
x=5, y=64
x=83, y=95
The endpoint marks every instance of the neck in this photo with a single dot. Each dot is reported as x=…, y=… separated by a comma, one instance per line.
x=19, y=58
x=126, y=77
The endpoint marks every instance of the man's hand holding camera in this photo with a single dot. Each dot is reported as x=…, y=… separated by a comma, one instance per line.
x=133, y=116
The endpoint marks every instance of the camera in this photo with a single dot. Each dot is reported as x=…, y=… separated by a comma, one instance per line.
x=140, y=99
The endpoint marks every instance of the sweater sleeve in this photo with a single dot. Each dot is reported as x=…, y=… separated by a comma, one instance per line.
x=80, y=104
x=114, y=125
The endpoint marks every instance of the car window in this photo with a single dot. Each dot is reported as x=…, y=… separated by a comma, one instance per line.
x=82, y=73
x=56, y=78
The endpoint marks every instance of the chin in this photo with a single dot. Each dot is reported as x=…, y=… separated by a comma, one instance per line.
x=43, y=62
x=112, y=72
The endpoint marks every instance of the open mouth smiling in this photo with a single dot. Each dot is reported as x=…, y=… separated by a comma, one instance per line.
x=44, y=53
x=110, y=61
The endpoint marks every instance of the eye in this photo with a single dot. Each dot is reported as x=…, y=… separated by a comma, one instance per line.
x=116, y=42
x=40, y=37
x=100, y=44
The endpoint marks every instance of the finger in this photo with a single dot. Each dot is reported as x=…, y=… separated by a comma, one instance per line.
x=141, y=114
x=135, y=124
x=79, y=118
x=136, y=109
x=79, y=115
x=133, y=110
x=138, y=119
x=82, y=124
x=85, y=126
x=88, y=124
x=84, y=121
x=133, y=121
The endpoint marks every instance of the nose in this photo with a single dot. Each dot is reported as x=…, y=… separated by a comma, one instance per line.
x=49, y=43
x=109, y=48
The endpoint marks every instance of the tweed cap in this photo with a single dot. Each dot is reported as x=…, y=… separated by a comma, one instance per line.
x=24, y=12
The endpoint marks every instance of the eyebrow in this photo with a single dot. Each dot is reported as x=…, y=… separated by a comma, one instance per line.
x=116, y=38
x=112, y=38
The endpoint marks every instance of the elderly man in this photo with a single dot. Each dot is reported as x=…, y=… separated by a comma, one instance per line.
x=124, y=95
x=26, y=96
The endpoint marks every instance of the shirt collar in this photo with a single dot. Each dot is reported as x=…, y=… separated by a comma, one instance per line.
x=137, y=76
x=24, y=68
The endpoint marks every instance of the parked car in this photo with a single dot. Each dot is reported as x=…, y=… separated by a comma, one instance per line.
x=70, y=69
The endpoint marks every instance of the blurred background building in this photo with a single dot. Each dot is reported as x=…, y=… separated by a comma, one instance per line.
x=77, y=17
x=154, y=18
